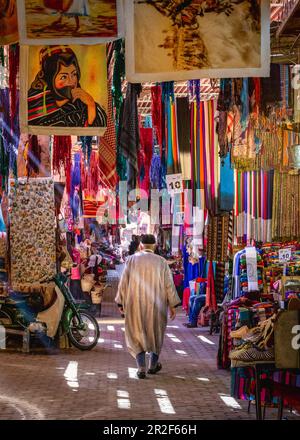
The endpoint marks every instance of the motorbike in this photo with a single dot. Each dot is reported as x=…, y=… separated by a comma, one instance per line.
x=63, y=316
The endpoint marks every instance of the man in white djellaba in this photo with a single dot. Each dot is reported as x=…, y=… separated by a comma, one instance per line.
x=146, y=291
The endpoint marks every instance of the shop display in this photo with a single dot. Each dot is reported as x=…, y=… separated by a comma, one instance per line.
x=32, y=233
x=92, y=158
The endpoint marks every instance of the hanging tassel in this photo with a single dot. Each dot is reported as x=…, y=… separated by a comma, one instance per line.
x=86, y=146
x=34, y=155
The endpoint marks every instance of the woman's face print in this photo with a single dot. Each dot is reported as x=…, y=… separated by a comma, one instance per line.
x=66, y=80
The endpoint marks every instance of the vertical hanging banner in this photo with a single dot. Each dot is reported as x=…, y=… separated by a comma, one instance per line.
x=32, y=231
x=64, y=90
x=69, y=21
x=8, y=22
x=184, y=42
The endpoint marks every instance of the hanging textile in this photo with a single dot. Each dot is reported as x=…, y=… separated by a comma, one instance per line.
x=107, y=144
x=90, y=176
x=145, y=157
x=183, y=124
x=129, y=132
x=286, y=207
x=170, y=128
x=226, y=196
x=253, y=205
x=75, y=185
x=156, y=111
x=211, y=300
x=33, y=155
x=217, y=245
x=62, y=146
x=117, y=100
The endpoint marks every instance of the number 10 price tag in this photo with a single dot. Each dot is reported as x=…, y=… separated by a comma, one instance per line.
x=174, y=183
x=285, y=255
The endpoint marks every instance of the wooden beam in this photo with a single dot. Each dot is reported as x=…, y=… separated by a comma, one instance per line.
x=288, y=19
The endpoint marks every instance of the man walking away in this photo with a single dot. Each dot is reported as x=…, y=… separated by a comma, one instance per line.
x=146, y=291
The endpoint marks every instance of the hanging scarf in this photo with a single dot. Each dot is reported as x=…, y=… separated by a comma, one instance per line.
x=145, y=158
x=117, y=100
x=86, y=146
x=107, y=144
x=156, y=111
x=33, y=155
x=211, y=299
x=62, y=146
x=129, y=132
x=90, y=177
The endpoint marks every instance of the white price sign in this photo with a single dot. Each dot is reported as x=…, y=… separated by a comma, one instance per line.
x=285, y=255
x=174, y=183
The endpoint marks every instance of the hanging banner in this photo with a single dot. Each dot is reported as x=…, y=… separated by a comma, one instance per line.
x=64, y=90
x=197, y=39
x=69, y=21
x=32, y=231
x=8, y=22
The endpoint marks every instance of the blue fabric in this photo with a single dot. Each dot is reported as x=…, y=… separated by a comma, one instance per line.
x=196, y=303
x=2, y=224
x=226, y=185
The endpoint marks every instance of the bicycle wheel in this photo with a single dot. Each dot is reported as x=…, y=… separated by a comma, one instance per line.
x=87, y=337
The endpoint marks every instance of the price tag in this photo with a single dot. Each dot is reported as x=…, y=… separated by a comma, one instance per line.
x=174, y=183
x=285, y=255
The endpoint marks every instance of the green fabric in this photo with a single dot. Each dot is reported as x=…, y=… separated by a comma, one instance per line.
x=117, y=97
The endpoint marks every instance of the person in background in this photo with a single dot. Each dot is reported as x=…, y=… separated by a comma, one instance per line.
x=146, y=291
x=134, y=244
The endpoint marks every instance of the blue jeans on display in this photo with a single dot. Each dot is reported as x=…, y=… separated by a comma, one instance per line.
x=196, y=303
x=141, y=360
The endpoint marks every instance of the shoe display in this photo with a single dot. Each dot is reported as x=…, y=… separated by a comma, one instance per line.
x=155, y=369
x=252, y=354
x=240, y=333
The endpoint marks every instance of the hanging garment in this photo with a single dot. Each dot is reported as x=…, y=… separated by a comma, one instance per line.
x=145, y=157
x=226, y=197
x=211, y=299
x=156, y=111
x=129, y=132
x=107, y=144
x=146, y=289
x=183, y=124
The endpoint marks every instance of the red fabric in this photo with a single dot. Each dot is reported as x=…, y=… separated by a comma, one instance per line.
x=156, y=110
x=107, y=148
x=90, y=177
x=62, y=146
x=13, y=61
x=145, y=156
x=186, y=299
x=178, y=278
x=211, y=299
